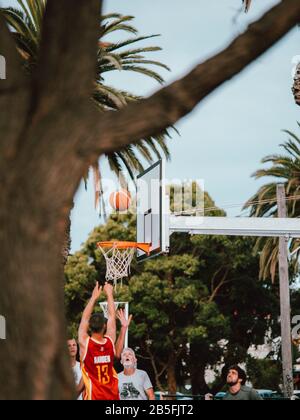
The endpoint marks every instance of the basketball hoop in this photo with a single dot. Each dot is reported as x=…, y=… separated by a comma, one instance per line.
x=104, y=307
x=118, y=305
x=119, y=256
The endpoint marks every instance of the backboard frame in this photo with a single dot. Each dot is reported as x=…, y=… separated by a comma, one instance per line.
x=156, y=191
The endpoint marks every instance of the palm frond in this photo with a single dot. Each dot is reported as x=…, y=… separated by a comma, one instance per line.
x=118, y=24
x=128, y=167
x=120, y=27
x=135, y=52
x=148, y=62
x=285, y=168
x=107, y=95
x=153, y=147
x=145, y=152
x=17, y=21
x=116, y=167
x=145, y=72
x=29, y=12
x=111, y=16
x=132, y=159
x=112, y=59
x=122, y=44
x=37, y=11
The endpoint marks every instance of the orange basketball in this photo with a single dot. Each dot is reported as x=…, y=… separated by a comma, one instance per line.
x=120, y=200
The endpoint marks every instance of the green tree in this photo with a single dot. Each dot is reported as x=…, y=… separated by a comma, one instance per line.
x=284, y=168
x=265, y=373
x=251, y=308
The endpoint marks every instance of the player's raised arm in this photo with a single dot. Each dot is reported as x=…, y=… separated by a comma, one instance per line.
x=86, y=316
x=124, y=327
x=111, y=323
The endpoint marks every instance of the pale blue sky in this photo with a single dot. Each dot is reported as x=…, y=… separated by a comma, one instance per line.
x=225, y=138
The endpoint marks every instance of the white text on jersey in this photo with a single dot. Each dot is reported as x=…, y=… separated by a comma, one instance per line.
x=101, y=359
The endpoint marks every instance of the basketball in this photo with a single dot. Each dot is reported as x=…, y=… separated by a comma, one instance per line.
x=120, y=200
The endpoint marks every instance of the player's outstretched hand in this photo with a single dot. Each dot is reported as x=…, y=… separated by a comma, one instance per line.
x=108, y=289
x=122, y=318
x=97, y=292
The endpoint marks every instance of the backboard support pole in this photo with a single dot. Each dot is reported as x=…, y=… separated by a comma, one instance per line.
x=127, y=333
x=285, y=302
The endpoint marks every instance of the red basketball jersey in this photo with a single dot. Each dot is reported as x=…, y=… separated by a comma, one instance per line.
x=100, y=377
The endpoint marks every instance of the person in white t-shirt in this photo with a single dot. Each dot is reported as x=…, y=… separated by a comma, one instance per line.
x=73, y=351
x=134, y=384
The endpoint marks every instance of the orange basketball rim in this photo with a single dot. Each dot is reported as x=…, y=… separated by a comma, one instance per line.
x=125, y=245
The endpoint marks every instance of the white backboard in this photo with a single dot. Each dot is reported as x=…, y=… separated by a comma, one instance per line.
x=152, y=211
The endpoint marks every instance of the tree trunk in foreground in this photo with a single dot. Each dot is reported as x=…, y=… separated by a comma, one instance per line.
x=50, y=135
x=34, y=362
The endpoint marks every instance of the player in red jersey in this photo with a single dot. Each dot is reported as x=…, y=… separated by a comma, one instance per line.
x=98, y=351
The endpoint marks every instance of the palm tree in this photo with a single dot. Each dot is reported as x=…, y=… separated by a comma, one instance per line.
x=286, y=168
x=27, y=25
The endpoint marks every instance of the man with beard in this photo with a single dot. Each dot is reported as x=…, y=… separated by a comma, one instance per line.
x=134, y=384
x=236, y=380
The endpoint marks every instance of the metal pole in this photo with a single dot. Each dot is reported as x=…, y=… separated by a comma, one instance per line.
x=127, y=333
x=285, y=304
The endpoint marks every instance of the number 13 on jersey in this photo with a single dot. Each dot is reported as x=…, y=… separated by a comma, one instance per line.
x=103, y=375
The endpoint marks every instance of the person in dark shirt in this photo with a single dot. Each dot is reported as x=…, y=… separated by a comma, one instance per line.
x=236, y=380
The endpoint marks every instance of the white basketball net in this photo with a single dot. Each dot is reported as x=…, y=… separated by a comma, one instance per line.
x=118, y=262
